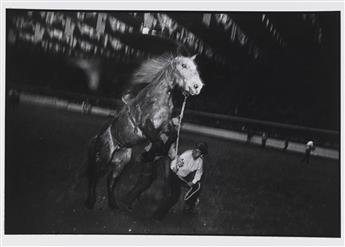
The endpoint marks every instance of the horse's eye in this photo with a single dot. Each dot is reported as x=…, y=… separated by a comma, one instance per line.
x=184, y=66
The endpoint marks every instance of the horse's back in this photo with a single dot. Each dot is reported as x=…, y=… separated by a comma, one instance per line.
x=125, y=129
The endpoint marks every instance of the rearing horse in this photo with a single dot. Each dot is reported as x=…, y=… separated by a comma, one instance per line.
x=147, y=117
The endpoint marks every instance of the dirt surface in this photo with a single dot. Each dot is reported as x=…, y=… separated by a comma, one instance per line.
x=248, y=190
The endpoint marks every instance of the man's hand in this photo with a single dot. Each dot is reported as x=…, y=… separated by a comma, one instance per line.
x=175, y=121
x=172, y=151
x=164, y=137
x=179, y=162
x=148, y=147
x=174, y=169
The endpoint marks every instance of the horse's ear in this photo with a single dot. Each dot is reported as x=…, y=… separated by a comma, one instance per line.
x=194, y=56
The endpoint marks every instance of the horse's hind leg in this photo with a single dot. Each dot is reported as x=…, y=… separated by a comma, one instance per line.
x=93, y=174
x=118, y=162
x=94, y=177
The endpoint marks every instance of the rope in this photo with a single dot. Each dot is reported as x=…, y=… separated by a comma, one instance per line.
x=188, y=194
x=179, y=124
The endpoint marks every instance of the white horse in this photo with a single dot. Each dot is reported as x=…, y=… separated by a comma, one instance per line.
x=146, y=117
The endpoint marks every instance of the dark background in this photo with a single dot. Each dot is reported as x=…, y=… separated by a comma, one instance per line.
x=276, y=66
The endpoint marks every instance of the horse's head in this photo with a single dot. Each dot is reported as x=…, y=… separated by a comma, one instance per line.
x=186, y=75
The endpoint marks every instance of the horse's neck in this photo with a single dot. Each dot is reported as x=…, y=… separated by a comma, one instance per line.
x=159, y=90
x=163, y=88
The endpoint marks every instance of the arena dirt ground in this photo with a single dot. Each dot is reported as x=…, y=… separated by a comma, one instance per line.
x=248, y=190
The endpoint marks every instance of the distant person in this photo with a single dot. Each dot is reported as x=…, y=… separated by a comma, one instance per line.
x=263, y=139
x=286, y=144
x=185, y=170
x=86, y=107
x=13, y=97
x=250, y=134
x=309, y=147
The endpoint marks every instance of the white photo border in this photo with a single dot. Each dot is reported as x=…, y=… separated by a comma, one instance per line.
x=159, y=240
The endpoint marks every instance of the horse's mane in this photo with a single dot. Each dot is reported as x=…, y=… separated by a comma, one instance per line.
x=150, y=69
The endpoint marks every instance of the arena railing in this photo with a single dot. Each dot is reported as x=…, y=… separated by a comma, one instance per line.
x=252, y=127
x=249, y=127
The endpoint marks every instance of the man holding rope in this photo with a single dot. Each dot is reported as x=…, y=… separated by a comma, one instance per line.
x=186, y=169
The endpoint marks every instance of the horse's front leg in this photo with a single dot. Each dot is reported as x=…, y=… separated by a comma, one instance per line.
x=118, y=162
x=157, y=133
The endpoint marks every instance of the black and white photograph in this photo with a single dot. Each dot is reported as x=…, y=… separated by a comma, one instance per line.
x=172, y=122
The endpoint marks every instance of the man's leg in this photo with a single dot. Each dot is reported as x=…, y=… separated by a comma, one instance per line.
x=191, y=202
x=170, y=200
x=304, y=158
x=307, y=156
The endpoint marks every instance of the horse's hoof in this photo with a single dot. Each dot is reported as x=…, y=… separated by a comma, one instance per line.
x=128, y=207
x=113, y=205
x=89, y=204
x=158, y=217
x=126, y=204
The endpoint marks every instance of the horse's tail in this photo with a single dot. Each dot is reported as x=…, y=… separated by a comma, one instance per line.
x=94, y=151
x=93, y=146
x=91, y=156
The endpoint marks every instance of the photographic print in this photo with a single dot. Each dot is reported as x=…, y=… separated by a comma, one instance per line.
x=146, y=122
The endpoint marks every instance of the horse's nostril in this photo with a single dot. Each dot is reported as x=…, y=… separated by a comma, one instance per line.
x=196, y=86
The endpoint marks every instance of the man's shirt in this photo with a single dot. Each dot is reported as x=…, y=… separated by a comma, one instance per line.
x=310, y=145
x=189, y=165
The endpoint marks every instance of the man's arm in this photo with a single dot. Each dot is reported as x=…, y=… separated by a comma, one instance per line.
x=198, y=173
x=173, y=165
x=177, y=160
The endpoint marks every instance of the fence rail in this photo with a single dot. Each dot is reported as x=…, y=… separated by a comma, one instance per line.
x=251, y=127
x=260, y=122
x=244, y=127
